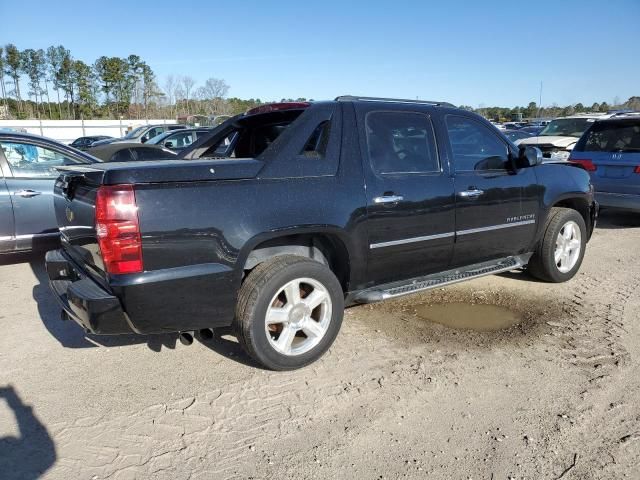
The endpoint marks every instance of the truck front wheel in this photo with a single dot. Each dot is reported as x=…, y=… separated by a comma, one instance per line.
x=560, y=252
x=289, y=312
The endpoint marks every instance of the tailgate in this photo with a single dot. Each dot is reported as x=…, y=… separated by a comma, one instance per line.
x=74, y=202
x=76, y=188
x=616, y=172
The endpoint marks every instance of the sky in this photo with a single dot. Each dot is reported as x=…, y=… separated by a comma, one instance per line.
x=478, y=53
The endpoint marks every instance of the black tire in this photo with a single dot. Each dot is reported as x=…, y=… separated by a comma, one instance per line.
x=542, y=264
x=257, y=291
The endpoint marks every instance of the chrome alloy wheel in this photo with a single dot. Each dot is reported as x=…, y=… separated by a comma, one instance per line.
x=298, y=316
x=568, y=245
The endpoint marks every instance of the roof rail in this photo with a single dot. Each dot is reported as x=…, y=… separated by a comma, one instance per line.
x=625, y=114
x=354, y=98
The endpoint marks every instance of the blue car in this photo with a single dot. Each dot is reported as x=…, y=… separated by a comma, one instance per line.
x=533, y=130
x=27, y=175
x=610, y=151
x=516, y=135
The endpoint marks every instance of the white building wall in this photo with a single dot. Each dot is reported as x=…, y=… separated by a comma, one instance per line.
x=68, y=130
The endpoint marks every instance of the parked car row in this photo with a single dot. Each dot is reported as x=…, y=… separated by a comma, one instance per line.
x=141, y=134
x=173, y=137
x=560, y=136
x=607, y=145
x=178, y=140
x=131, y=152
x=83, y=143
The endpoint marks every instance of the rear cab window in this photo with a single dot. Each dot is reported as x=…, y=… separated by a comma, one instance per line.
x=621, y=135
x=251, y=136
x=293, y=141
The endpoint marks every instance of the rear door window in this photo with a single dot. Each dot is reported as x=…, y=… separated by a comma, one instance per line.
x=401, y=143
x=29, y=161
x=614, y=136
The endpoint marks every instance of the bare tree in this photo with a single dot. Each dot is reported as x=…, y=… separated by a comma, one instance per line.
x=187, y=85
x=178, y=93
x=169, y=90
x=214, y=91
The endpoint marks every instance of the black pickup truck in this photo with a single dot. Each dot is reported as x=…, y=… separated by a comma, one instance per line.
x=289, y=212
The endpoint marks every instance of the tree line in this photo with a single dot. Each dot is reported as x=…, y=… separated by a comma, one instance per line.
x=63, y=87
x=532, y=110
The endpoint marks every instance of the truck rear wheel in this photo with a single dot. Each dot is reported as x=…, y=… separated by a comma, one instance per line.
x=560, y=252
x=289, y=312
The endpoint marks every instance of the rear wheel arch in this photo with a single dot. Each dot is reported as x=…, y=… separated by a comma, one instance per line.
x=324, y=247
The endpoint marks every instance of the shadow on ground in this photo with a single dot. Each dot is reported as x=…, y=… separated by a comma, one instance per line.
x=224, y=343
x=520, y=274
x=71, y=335
x=32, y=452
x=616, y=219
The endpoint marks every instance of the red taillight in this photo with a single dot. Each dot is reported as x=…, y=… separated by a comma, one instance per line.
x=586, y=163
x=637, y=169
x=118, y=229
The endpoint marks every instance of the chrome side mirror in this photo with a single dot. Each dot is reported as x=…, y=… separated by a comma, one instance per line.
x=530, y=156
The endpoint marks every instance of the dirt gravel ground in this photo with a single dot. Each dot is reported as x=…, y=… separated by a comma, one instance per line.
x=398, y=396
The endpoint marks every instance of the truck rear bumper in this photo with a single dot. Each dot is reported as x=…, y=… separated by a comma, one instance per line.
x=82, y=299
x=619, y=200
x=158, y=301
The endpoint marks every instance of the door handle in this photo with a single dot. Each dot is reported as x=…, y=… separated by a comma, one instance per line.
x=27, y=193
x=388, y=199
x=471, y=193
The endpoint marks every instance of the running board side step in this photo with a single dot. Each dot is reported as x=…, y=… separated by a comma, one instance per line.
x=398, y=289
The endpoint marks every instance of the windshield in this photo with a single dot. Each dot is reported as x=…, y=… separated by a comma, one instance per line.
x=567, y=127
x=136, y=132
x=615, y=136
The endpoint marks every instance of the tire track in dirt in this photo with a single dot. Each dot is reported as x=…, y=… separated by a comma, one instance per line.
x=590, y=336
x=591, y=339
x=225, y=427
